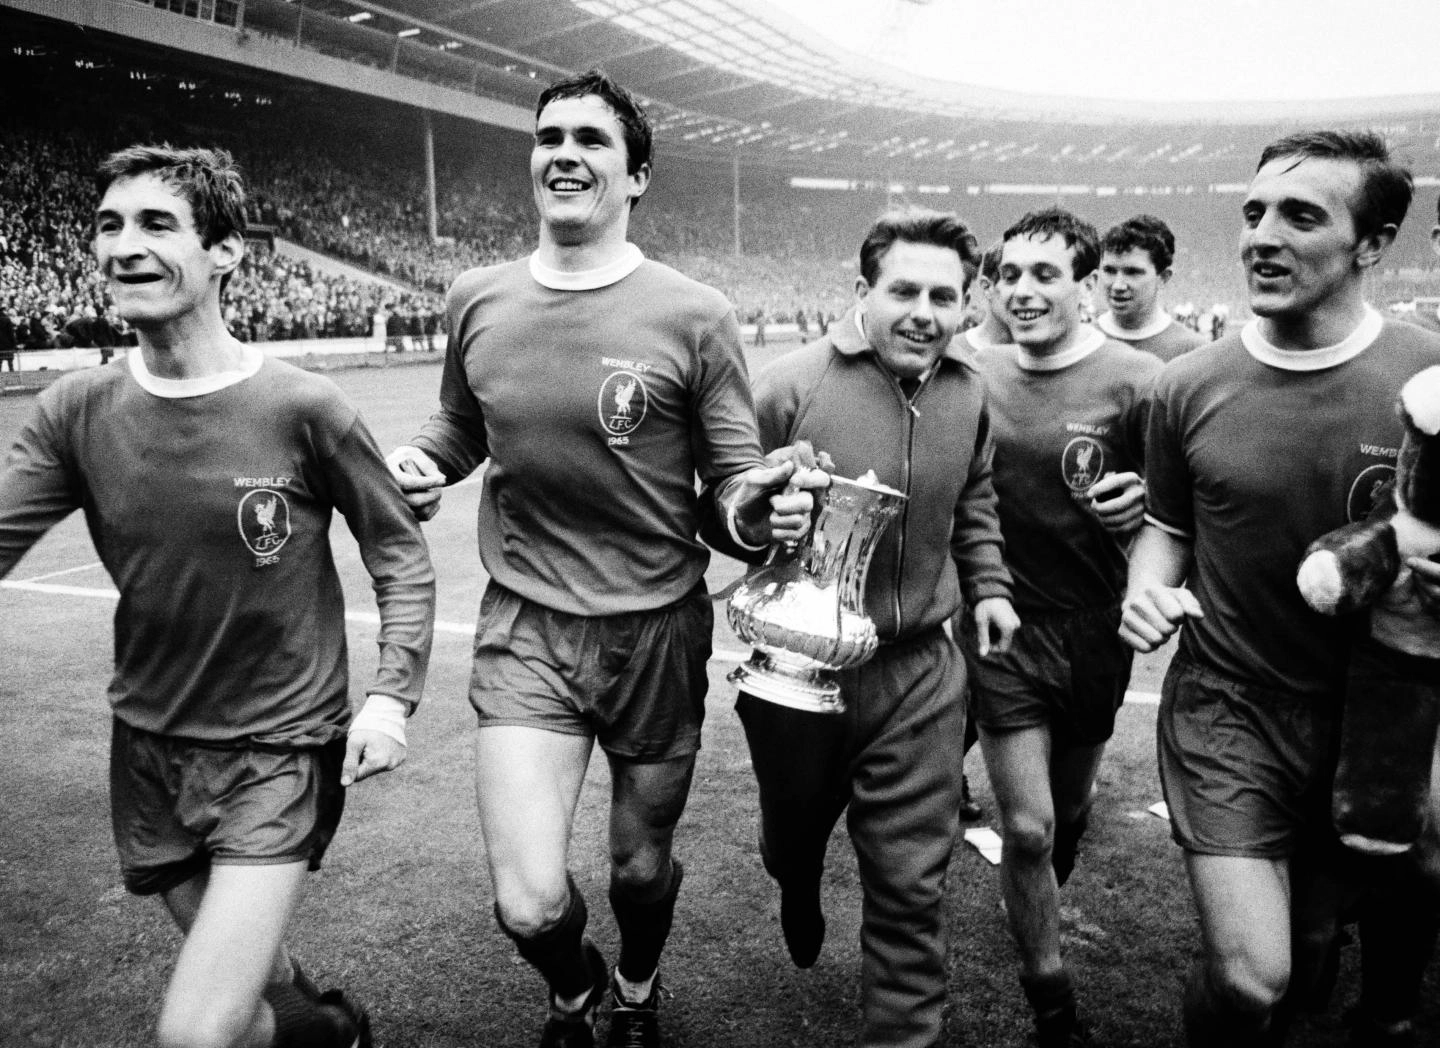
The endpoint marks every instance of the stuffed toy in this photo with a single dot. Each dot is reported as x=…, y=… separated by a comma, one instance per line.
x=1381, y=797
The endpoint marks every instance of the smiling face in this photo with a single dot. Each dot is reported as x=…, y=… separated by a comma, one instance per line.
x=914, y=306
x=578, y=169
x=1299, y=245
x=151, y=253
x=1039, y=293
x=1131, y=286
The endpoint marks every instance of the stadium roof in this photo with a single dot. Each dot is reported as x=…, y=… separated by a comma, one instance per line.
x=743, y=77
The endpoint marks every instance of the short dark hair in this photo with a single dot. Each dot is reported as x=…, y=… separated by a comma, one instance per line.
x=1386, y=186
x=1076, y=232
x=639, y=136
x=207, y=179
x=990, y=261
x=1142, y=233
x=918, y=226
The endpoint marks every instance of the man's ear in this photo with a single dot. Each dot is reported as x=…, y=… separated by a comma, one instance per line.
x=1435, y=240
x=862, y=288
x=1165, y=275
x=227, y=252
x=1371, y=247
x=640, y=181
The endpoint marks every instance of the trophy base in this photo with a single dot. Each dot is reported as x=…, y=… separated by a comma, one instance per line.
x=810, y=690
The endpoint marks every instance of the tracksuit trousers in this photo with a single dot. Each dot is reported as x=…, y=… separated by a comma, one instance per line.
x=894, y=760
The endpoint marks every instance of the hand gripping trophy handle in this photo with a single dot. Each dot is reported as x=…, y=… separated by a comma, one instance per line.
x=804, y=612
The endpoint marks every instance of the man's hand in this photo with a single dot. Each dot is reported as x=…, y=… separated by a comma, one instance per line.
x=995, y=625
x=774, y=502
x=1150, y=615
x=368, y=753
x=419, y=478
x=1118, y=502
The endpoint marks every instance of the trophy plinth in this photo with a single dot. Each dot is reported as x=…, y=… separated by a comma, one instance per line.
x=803, y=612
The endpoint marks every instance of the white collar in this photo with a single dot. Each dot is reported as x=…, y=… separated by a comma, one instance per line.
x=1348, y=348
x=611, y=272
x=1089, y=342
x=1108, y=324
x=181, y=388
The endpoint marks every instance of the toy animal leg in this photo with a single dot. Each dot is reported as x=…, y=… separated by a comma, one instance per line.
x=1381, y=799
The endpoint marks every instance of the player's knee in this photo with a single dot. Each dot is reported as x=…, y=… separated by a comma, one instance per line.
x=1249, y=983
x=217, y=1024
x=640, y=872
x=528, y=914
x=1029, y=838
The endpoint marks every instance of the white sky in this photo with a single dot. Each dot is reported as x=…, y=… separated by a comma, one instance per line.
x=1171, y=50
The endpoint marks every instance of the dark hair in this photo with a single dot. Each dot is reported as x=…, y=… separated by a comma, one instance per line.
x=990, y=261
x=1142, y=233
x=633, y=121
x=1385, y=185
x=918, y=226
x=207, y=179
x=1056, y=221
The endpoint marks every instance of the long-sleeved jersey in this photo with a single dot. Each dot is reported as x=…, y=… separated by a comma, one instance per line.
x=1057, y=432
x=212, y=515
x=596, y=409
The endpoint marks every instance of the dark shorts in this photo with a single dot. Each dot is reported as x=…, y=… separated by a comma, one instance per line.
x=178, y=807
x=1246, y=770
x=635, y=681
x=1066, y=672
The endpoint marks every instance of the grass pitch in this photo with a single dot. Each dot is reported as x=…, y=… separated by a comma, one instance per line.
x=400, y=915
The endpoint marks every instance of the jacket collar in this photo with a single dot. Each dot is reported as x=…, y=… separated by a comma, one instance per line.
x=848, y=338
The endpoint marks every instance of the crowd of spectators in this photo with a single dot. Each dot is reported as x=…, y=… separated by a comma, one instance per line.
x=796, y=264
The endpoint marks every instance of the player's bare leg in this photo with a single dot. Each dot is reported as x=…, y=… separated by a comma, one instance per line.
x=647, y=801
x=1020, y=764
x=222, y=994
x=527, y=784
x=1244, y=907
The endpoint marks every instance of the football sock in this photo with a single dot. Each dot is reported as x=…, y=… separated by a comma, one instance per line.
x=1067, y=847
x=1210, y=1023
x=558, y=952
x=302, y=1023
x=1052, y=998
x=644, y=920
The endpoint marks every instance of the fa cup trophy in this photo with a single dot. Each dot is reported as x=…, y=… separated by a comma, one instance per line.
x=804, y=611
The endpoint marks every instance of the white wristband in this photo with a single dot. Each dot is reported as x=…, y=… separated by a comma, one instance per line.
x=383, y=713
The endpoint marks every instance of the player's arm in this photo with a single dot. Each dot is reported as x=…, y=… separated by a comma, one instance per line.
x=978, y=548
x=1156, y=603
x=398, y=561
x=452, y=444
x=1118, y=499
x=758, y=503
x=38, y=485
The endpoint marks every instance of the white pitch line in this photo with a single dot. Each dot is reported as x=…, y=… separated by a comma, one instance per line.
x=61, y=590
x=1138, y=698
x=66, y=571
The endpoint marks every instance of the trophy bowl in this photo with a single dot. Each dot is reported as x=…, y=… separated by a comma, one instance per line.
x=803, y=612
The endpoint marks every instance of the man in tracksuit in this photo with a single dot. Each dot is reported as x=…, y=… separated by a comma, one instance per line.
x=886, y=390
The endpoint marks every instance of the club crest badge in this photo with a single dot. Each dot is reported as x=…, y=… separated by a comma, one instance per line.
x=1083, y=463
x=264, y=518
x=623, y=403
x=1365, y=492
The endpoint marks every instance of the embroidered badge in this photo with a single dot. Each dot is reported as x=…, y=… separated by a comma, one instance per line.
x=264, y=518
x=1083, y=463
x=623, y=403
x=1366, y=491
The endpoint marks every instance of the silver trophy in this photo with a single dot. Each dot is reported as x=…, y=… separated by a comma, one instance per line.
x=804, y=611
